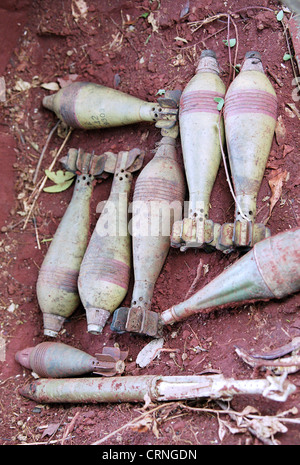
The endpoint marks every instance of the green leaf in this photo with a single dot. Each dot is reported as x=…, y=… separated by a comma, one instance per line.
x=287, y=57
x=220, y=102
x=232, y=42
x=161, y=92
x=279, y=16
x=59, y=187
x=145, y=15
x=60, y=176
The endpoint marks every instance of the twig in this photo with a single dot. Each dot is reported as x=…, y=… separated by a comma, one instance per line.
x=251, y=430
x=197, y=278
x=45, y=178
x=69, y=428
x=44, y=150
x=130, y=423
x=36, y=233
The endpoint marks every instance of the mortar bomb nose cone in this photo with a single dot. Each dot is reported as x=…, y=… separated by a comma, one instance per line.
x=48, y=102
x=253, y=54
x=23, y=356
x=208, y=53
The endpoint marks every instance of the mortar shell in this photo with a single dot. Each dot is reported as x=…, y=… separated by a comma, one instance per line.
x=57, y=290
x=157, y=202
x=270, y=270
x=198, y=120
x=250, y=114
x=92, y=106
x=105, y=269
x=58, y=360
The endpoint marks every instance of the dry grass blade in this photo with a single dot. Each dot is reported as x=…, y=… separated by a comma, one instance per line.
x=45, y=178
x=132, y=423
x=43, y=151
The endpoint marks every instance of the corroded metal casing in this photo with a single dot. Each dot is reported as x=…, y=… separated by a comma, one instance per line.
x=155, y=388
x=58, y=360
x=199, y=120
x=270, y=270
x=250, y=114
x=105, y=269
x=92, y=106
x=57, y=291
x=157, y=202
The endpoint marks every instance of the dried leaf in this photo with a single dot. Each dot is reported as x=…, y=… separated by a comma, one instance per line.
x=148, y=353
x=276, y=184
x=280, y=131
x=143, y=425
x=287, y=149
x=50, y=86
x=79, y=8
x=22, y=85
x=153, y=22
x=147, y=400
x=51, y=429
x=222, y=429
x=65, y=81
x=227, y=425
x=155, y=429
x=267, y=426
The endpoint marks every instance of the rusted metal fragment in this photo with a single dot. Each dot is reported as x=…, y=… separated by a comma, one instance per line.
x=280, y=351
x=273, y=360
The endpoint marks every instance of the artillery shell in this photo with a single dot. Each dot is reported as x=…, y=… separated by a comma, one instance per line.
x=58, y=360
x=199, y=120
x=92, y=106
x=270, y=270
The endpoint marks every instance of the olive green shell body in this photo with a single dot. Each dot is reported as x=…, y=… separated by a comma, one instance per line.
x=198, y=120
x=92, y=106
x=105, y=269
x=250, y=118
x=157, y=201
x=57, y=290
x=271, y=269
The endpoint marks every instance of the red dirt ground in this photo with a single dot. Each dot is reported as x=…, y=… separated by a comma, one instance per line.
x=41, y=42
